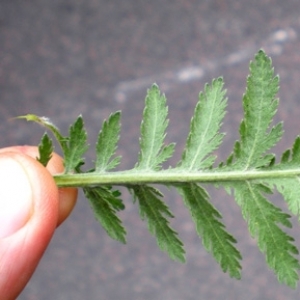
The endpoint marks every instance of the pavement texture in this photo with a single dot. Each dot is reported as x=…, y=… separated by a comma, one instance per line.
x=63, y=58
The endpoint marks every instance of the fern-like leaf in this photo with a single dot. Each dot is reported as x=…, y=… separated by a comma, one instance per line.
x=107, y=144
x=153, y=152
x=263, y=219
x=260, y=106
x=105, y=203
x=204, y=136
x=290, y=187
x=45, y=150
x=156, y=212
x=257, y=137
x=76, y=146
x=215, y=238
x=251, y=173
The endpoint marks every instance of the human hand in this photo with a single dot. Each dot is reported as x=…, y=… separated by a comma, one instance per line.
x=31, y=207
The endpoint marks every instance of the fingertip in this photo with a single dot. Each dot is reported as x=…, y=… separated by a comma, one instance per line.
x=67, y=196
x=45, y=193
x=22, y=247
x=67, y=201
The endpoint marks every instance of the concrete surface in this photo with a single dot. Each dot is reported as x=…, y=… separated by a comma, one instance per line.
x=61, y=58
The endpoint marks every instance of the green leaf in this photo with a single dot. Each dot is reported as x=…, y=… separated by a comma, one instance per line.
x=215, y=238
x=153, y=152
x=257, y=137
x=107, y=144
x=290, y=190
x=250, y=174
x=105, y=203
x=260, y=106
x=73, y=146
x=263, y=217
x=204, y=136
x=155, y=211
x=45, y=150
x=76, y=146
x=290, y=187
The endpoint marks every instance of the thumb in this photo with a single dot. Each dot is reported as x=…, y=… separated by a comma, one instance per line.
x=28, y=217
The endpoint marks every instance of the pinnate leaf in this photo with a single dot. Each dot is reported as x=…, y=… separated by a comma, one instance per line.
x=251, y=173
x=76, y=146
x=260, y=106
x=154, y=124
x=107, y=144
x=263, y=218
x=45, y=150
x=258, y=136
x=105, y=203
x=156, y=212
x=290, y=187
x=215, y=238
x=204, y=136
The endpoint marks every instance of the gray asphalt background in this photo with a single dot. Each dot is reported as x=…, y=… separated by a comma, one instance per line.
x=61, y=58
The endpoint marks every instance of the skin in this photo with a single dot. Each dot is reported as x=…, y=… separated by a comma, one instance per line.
x=25, y=237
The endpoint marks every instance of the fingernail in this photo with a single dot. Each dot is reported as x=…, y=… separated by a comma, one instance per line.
x=15, y=196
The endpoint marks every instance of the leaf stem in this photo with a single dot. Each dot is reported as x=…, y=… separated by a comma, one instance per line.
x=134, y=177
